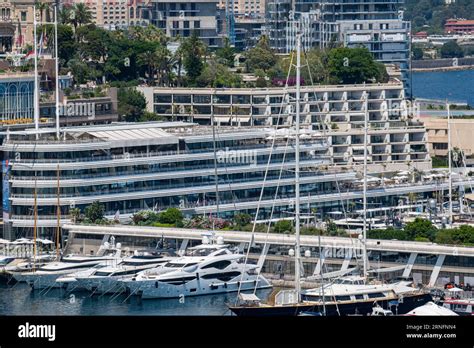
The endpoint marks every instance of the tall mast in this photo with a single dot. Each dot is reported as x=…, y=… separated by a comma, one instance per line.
x=56, y=50
x=35, y=225
x=449, y=167
x=297, y=169
x=216, y=177
x=58, y=228
x=36, y=92
x=364, y=240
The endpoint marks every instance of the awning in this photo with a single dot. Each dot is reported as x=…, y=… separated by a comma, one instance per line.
x=222, y=119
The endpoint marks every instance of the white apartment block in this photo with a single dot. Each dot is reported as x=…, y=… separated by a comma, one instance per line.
x=396, y=138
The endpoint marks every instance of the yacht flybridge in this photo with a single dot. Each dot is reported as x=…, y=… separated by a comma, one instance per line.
x=206, y=269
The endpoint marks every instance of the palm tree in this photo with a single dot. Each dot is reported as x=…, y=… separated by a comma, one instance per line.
x=41, y=7
x=80, y=15
x=149, y=59
x=65, y=15
x=178, y=57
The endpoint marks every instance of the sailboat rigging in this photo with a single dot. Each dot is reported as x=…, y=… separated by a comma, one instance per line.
x=350, y=295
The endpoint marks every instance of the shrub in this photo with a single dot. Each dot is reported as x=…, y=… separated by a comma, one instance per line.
x=171, y=216
x=283, y=226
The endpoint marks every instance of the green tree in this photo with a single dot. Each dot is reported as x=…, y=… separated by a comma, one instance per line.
x=389, y=233
x=283, y=226
x=65, y=15
x=42, y=8
x=459, y=236
x=194, y=51
x=75, y=214
x=242, y=219
x=149, y=60
x=352, y=66
x=94, y=43
x=145, y=217
x=131, y=104
x=150, y=117
x=80, y=15
x=451, y=49
x=226, y=54
x=417, y=53
x=261, y=56
x=171, y=216
x=420, y=228
x=95, y=212
x=216, y=75
x=80, y=71
x=66, y=45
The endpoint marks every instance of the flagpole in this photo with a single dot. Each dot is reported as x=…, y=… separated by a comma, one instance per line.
x=57, y=67
x=36, y=94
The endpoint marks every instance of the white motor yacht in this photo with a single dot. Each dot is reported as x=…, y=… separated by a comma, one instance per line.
x=106, y=279
x=206, y=269
x=45, y=276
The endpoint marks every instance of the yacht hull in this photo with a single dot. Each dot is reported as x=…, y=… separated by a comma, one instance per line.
x=104, y=285
x=409, y=303
x=156, y=289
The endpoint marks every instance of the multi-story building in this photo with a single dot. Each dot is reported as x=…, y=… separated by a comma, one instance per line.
x=80, y=111
x=245, y=8
x=16, y=98
x=277, y=16
x=459, y=26
x=322, y=23
x=16, y=23
x=387, y=40
x=17, y=105
x=180, y=18
x=396, y=138
x=461, y=135
x=130, y=167
x=248, y=31
x=115, y=14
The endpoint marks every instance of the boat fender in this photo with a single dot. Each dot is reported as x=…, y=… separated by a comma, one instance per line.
x=156, y=284
x=197, y=276
x=225, y=285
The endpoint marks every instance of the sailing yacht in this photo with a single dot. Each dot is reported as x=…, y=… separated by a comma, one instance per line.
x=346, y=296
x=106, y=279
x=206, y=269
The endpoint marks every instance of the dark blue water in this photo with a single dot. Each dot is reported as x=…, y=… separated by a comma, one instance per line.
x=456, y=86
x=20, y=300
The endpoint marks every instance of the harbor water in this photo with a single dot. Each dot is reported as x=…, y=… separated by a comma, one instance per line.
x=456, y=86
x=18, y=299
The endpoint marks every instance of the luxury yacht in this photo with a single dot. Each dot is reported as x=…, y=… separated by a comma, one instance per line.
x=345, y=296
x=45, y=276
x=206, y=269
x=106, y=279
